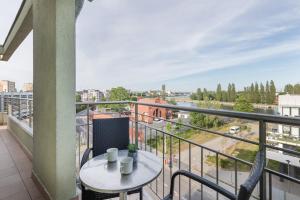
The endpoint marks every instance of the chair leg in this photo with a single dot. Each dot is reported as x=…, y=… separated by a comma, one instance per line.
x=141, y=194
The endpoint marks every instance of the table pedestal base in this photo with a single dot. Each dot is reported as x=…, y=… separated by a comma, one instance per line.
x=123, y=196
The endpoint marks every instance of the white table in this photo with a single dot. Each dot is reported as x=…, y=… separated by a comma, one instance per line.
x=101, y=176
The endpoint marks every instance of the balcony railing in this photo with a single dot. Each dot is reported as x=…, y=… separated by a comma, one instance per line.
x=208, y=156
x=180, y=152
x=21, y=108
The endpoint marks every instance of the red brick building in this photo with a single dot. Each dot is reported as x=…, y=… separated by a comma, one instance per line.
x=148, y=114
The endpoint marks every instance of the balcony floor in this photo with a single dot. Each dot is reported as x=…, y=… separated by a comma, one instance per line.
x=15, y=171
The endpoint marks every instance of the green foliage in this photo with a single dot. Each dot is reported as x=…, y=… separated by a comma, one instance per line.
x=169, y=127
x=292, y=89
x=172, y=101
x=243, y=105
x=133, y=98
x=272, y=92
x=219, y=93
x=229, y=164
x=231, y=93
x=132, y=148
x=119, y=94
x=262, y=94
x=78, y=98
x=255, y=93
x=201, y=120
x=79, y=108
x=178, y=124
x=209, y=104
x=194, y=96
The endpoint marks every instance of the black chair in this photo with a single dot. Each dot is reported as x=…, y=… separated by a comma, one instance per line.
x=107, y=133
x=246, y=188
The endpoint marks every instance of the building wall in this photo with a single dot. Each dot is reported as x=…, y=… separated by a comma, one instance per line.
x=150, y=113
x=27, y=87
x=7, y=86
x=92, y=95
x=22, y=133
x=5, y=98
x=289, y=105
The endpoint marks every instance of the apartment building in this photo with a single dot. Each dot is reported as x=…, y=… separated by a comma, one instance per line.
x=7, y=86
x=289, y=105
x=11, y=97
x=92, y=95
x=27, y=87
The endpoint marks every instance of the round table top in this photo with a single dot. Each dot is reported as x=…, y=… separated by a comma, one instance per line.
x=101, y=176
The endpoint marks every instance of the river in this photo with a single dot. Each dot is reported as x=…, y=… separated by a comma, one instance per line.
x=227, y=107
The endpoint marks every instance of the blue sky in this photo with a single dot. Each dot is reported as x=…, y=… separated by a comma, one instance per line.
x=141, y=44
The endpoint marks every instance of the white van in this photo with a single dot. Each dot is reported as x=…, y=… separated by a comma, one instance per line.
x=234, y=129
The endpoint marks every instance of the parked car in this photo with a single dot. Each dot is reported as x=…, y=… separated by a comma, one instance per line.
x=234, y=129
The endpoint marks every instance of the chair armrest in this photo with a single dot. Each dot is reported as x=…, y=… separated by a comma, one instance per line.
x=201, y=180
x=85, y=156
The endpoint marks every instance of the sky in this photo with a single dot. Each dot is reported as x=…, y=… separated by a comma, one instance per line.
x=142, y=44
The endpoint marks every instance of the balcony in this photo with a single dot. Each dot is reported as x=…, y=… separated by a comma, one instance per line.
x=15, y=170
x=46, y=130
x=207, y=157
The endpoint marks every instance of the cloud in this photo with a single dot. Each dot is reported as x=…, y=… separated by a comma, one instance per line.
x=136, y=44
x=141, y=43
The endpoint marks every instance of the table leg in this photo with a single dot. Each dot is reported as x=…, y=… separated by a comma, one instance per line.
x=123, y=196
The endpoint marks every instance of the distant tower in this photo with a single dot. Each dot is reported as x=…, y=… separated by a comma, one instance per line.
x=163, y=90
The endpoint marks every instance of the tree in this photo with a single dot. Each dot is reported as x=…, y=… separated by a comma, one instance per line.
x=252, y=94
x=289, y=88
x=169, y=127
x=243, y=105
x=256, y=93
x=229, y=92
x=233, y=92
x=179, y=124
x=219, y=93
x=268, y=94
x=172, y=101
x=262, y=93
x=194, y=96
x=199, y=94
x=205, y=94
x=119, y=94
x=201, y=120
x=272, y=92
x=297, y=89
x=225, y=96
x=78, y=98
x=79, y=107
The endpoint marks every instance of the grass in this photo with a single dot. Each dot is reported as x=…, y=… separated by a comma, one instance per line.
x=198, y=137
x=241, y=150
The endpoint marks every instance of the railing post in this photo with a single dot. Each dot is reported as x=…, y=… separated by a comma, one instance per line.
x=88, y=124
x=30, y=112
x=262, y=147
x=136, y=119
x=19, y=108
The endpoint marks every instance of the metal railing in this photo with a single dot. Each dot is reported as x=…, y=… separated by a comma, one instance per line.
x=21, y=108
x=179, y=152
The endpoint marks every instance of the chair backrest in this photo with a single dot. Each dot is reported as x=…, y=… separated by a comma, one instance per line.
x=110, y=133
x=256, y=172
